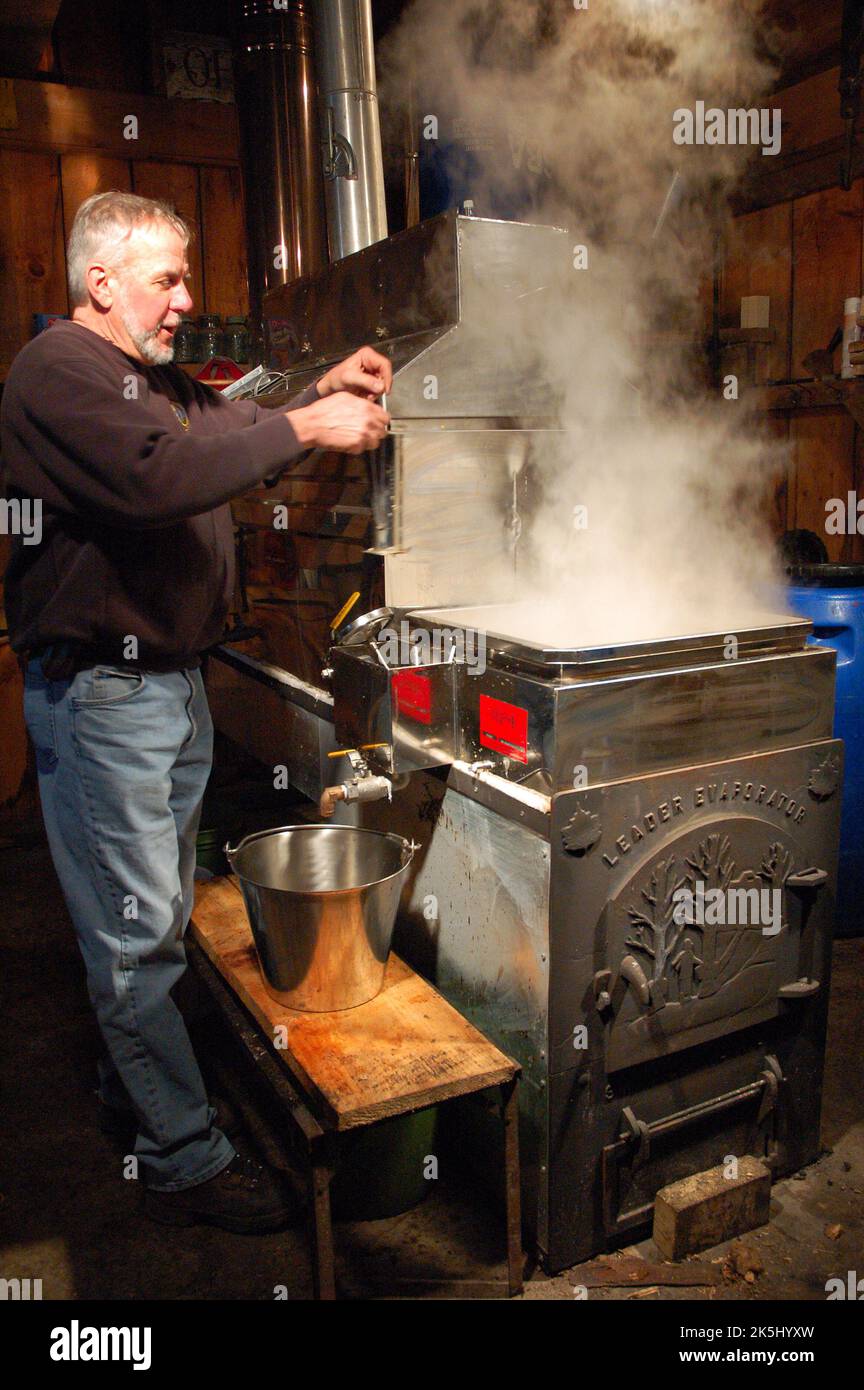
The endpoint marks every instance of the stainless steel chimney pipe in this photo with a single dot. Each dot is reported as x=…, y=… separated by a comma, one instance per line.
x=279, y=127
x=351, y=133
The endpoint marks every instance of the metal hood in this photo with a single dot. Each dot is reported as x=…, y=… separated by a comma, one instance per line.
x=453, y=302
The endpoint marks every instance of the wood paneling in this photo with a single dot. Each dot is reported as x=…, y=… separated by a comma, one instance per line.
x=759, y=261
x=177, y=184
x=807, y=255
x=811, y=112
x=812, y=145
x=98, y=43
x=822, y=444
x=39, y=196
x=777, y=500
x=32, y=262
x=82, y=175
x=826, y=235
x=226, y=286
x=69, y=144
x=853, y=550
x=61, y=119
x=807, y=36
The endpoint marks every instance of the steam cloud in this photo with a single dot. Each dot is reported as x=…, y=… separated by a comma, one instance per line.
x=674, y=478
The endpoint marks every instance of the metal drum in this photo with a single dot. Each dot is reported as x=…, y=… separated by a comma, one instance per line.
x=322, y=903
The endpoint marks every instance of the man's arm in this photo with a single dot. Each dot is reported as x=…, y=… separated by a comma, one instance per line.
x=117, y=460
x=332, y=413
x=236, y=414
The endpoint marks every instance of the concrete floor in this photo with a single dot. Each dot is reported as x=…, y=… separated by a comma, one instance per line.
x=69, y=1218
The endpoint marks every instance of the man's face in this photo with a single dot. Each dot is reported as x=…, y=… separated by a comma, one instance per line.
x=150, y=293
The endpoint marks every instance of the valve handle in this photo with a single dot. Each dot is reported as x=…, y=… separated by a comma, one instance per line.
x=344, y=611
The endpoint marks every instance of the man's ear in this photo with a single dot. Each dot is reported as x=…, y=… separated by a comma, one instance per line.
x=99, y=283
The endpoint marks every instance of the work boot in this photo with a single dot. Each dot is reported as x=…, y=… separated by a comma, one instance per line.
x=246, y=1197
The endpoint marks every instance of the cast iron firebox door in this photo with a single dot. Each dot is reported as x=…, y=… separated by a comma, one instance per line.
x=675, y=1043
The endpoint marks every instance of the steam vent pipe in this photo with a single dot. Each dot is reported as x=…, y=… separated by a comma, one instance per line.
x=353, y=167
x=279, y=128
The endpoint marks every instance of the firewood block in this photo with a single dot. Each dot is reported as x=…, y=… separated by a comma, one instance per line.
x=709, y=1207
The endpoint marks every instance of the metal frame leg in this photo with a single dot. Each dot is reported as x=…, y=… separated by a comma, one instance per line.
x=321, y=1222
x=510, y=1120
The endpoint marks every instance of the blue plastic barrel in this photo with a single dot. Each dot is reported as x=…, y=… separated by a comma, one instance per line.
x=832, y=596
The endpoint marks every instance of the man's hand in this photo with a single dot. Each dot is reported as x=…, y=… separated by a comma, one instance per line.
x=365, y=373
x=343, y=421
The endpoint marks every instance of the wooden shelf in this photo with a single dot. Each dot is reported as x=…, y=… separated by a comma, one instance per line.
x=813, y=395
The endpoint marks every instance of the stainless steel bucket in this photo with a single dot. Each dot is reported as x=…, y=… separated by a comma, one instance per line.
x=322, y=903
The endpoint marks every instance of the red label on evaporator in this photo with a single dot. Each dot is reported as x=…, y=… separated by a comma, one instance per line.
x=504, y=728
x=413, y=693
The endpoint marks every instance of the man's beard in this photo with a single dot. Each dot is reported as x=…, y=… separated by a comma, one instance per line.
x=145, y=339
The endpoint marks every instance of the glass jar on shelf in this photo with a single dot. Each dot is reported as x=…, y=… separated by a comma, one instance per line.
x=235, y=338
x=185, y=341
x=209, y=337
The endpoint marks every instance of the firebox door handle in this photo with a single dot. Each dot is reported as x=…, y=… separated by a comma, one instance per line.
x=808, y=878
x=641, y=1133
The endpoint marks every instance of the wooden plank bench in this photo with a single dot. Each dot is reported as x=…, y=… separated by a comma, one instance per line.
x=405, y=1050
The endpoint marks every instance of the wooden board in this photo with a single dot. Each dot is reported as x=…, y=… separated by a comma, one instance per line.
x=82, y=175
x=777, y=499
x=305, y=518
x=827, y=266
x=822, y=444
x=405, y=1049
x=759, y=261
x=223, y=242
x=854, y=552
x=107, y=49
x=810, y=36
x=32, y=258
x=700, y=1211
x=312, y=553
x=52, y=117
x=623, y=1271
x=810, y=112
x=812, y=140
x=322, y=492
x=177, y=184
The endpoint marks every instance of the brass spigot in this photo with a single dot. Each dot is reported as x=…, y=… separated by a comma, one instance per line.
x=363, y=786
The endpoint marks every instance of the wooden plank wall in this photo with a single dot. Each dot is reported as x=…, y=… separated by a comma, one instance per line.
x=69, y=144
x=803, y=247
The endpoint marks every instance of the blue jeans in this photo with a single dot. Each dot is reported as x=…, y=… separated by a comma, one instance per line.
x=123, y=760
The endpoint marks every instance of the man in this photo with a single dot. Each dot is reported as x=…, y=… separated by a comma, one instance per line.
x=133, y=464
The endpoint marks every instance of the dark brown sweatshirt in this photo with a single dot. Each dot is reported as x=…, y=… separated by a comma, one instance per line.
x=133, y=466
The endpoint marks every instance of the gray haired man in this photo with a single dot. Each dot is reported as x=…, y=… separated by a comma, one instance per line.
x=134, y=464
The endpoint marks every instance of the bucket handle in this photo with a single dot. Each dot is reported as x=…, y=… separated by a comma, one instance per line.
x=409, y=849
